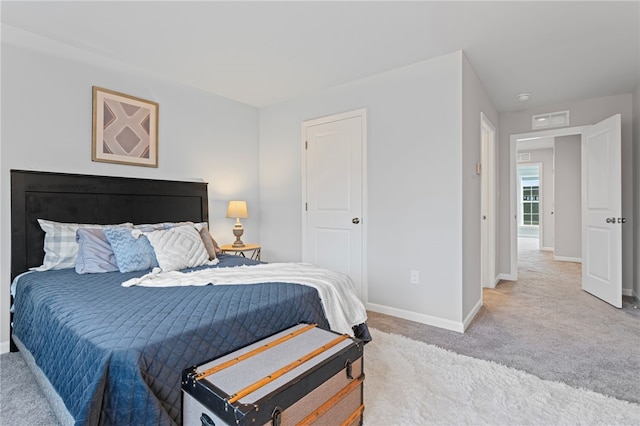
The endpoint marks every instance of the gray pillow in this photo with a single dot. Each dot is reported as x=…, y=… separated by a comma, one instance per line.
x=94, y=252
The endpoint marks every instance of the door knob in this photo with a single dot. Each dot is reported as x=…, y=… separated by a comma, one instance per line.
x=356, y=220
x=622, y=220
x=611, y=220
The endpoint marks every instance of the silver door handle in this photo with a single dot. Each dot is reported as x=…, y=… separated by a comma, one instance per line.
x=356, y=220
x=622, y=220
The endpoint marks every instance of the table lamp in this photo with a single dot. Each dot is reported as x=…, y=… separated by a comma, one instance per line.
x=237, y=209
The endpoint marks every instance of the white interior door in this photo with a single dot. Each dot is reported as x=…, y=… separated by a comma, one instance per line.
x=602, y=211
x=333, y=194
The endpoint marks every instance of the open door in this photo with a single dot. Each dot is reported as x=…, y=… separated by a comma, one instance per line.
x=602, y=211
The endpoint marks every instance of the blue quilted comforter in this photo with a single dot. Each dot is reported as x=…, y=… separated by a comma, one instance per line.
x=115, y=354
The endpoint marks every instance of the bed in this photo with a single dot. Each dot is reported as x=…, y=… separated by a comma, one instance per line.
x=109, y=354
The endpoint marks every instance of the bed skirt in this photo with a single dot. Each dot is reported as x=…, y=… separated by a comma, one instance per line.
x=57, y=405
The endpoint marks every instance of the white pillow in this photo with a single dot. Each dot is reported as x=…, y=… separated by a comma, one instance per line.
x=203, y=227
x=60, y=245
x=178, y=248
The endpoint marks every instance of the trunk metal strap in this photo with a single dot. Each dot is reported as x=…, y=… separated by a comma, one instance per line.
x=254, y=352
x=284, y=370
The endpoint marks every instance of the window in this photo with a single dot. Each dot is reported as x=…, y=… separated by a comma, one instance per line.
x=551, y=119
x=530, y=200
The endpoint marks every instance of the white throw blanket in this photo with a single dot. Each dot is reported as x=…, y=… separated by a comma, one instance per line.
x=341, y=306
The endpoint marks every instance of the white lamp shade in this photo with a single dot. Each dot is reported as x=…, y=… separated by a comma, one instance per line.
x=237, y=209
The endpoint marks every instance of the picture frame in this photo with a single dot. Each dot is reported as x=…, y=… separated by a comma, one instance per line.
x=125, y=129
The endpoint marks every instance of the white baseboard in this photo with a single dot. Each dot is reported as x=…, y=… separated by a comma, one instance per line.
x=507, y=277
x=421, y=318
x=567, y=259
x=494, y=283
x=546, y=248
x=472, y=314
x=4, y=347
x=628, y=292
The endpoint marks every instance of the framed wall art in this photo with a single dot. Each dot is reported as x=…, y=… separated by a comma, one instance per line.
x=125, y=129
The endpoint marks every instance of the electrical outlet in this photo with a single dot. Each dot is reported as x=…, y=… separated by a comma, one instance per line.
x=415, y=277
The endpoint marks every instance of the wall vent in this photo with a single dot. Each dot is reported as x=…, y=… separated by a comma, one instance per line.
x=525, y=156
x=551, y=119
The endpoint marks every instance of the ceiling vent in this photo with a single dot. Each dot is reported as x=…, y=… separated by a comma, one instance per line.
x=551, y=119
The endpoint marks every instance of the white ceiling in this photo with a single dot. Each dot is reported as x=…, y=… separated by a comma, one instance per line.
x=262, y=53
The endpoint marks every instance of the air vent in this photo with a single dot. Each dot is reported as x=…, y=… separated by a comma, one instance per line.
x=525, y=156
x=552, y=119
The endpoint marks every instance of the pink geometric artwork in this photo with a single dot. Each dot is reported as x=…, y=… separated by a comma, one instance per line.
x=125, y=129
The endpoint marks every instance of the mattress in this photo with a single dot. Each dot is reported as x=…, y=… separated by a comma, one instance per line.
x=115, y=354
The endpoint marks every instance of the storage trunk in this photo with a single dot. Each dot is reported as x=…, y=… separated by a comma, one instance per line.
x=303, y=375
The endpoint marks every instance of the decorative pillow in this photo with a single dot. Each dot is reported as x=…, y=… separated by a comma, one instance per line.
x=202, y=227
x=216, y=246
x=208, y=241
x=149, y=227
x=60, y=246
x=132, y=253
x=178, y=248
x=94, y=252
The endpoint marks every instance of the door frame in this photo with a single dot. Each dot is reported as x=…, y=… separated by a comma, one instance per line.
x=362, y=114
x=539, y=166
x=488, y=204
x=513, y=148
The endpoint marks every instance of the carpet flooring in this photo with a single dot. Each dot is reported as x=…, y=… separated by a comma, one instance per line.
x=22, y=403
x=546, y=325
x=543, y=324
x=413, y=383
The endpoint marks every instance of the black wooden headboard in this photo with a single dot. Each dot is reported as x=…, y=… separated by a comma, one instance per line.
x=73, y=198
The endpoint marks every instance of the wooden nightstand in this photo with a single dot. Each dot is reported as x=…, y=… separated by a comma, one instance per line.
x=240, y=251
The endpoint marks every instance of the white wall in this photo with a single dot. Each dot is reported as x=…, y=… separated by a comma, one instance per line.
x=414, y=157
x=475, y=100
x=568, y=209
x=46, y=125
x=636, y=180
x=584, y=112
x=4, y=298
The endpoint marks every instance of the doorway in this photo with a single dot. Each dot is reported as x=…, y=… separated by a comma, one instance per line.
x=530, y=196
x=601, y=206
x=488, y=203
x=541, y=138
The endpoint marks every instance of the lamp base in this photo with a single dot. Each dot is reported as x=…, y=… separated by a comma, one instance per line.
x=238, y=231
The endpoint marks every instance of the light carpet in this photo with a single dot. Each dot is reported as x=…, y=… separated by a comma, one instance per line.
x=407, y=383
x=413, y=383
